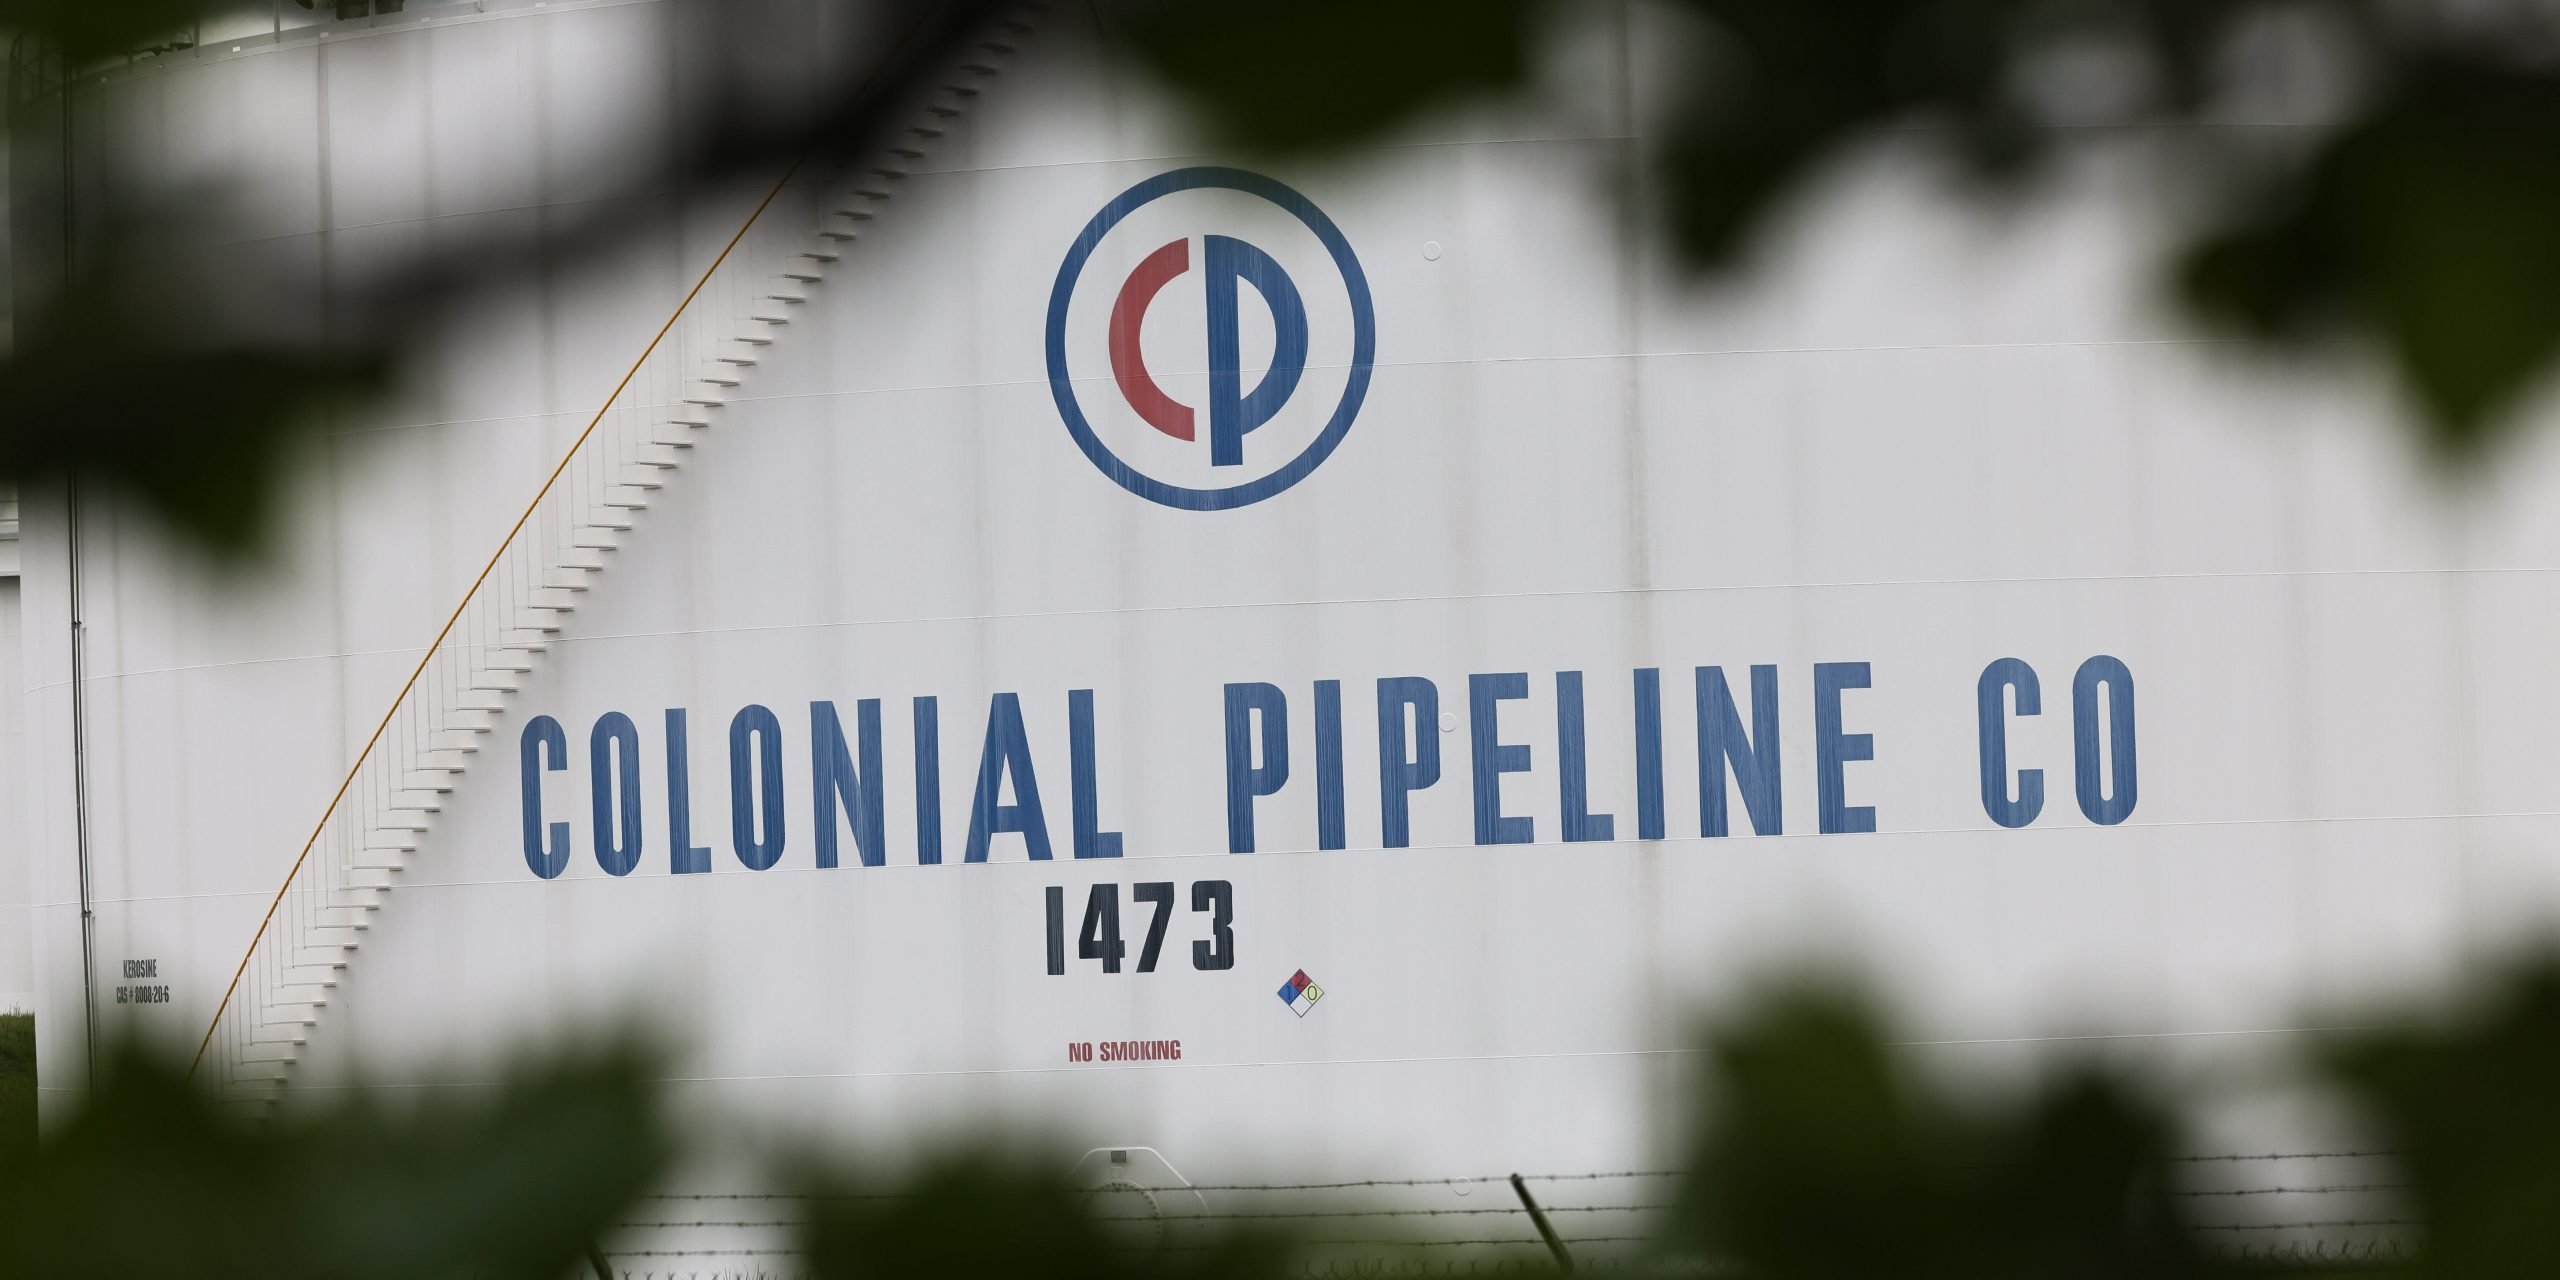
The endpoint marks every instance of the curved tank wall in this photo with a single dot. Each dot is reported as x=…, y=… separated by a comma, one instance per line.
x=1577, y=647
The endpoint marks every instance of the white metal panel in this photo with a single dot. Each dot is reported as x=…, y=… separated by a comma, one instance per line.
x=1912, y=440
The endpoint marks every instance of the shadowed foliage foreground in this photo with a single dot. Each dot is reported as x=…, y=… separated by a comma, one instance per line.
x=17, y=1087
x=2346, y=169
x=1820, y=1152
x=2342, y=170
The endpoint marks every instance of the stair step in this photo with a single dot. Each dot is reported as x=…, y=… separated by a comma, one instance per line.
x=296, y=1002
x=416, y=802
x=625, y=498
x=801, y=274
x=636, y=478
x=924, y=131
x=397, y=823
x=596, y=538
x=437, y=763
x=563, y=580
x=836, y=233
x=500, y=679
x=719, y=379
x=382, y=839
x=482, y=700
x=757, y=339
x=694, y=420
x=743, y=359
x=978, y=68
x=673, y=435
x=856, y=214
x=768, y=318
x=586, y=557
x=528, y=639
x=440, y=782
x=941, y=112
x=269, y=1053
x=546, y=600
x=379, y=866
x=454, y=740
x=787, y=298
x=815, y=255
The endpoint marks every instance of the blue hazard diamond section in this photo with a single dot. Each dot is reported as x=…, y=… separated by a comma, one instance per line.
x=1300, y=993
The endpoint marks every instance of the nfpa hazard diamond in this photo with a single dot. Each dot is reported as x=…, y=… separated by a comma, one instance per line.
x=1300, y=993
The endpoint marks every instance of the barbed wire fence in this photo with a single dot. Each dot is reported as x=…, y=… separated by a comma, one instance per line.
x=2325, y=1209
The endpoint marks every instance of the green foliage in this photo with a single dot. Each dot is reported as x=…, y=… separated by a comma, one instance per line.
x=1820, y=1152
x=199, y=428
x=2409, y=219
x=2424, y=228
x=1824, y=1155
x=976, y=1213
x=189, y=391
x=2405, y=217
x=87, y=29
x=153, y=1179
x=2469, y=1104
x=17, y=1088
x=1322, y=72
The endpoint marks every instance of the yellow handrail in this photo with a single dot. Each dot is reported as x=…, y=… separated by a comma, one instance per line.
x=411, y=683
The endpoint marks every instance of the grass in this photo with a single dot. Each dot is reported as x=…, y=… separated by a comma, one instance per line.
x=17, y=1084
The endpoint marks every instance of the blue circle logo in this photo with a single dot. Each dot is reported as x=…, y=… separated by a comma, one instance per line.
x=1229, y=412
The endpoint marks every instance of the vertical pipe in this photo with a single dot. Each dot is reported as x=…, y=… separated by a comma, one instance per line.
x=79, y=668
x=80, y=793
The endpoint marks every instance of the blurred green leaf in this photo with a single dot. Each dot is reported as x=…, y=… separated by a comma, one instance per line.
x=1285, y=77
x=152, y=1178
x=1776, y=88
x=1824, y=1156
x=199, y=432
x=87, y=29
x=974, y=1213
x=2426, y=228
x=2471, y=1109
x=17, y=1088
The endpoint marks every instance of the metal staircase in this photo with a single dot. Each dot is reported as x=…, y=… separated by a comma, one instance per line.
x=664, y=408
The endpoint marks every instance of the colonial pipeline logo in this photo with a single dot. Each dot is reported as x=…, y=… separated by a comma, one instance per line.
x=1209, y=337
